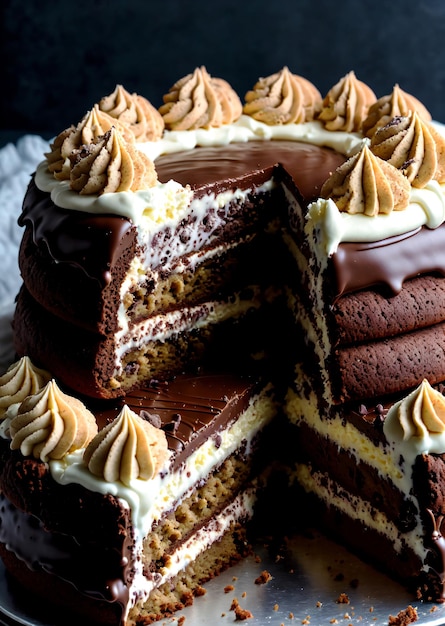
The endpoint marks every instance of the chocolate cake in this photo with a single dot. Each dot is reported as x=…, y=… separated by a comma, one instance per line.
x=295, y=242
x=165, y=523
x=193, y=278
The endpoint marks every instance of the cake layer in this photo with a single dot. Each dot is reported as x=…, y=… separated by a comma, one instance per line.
x=370, y=315
x=157, y=348
x=219, y=273
x=365, y=539
x=393, y=365
x=182, y=589
x=361, y=480
x=155, y=529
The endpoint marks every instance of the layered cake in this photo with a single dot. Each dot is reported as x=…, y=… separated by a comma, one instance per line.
x=198, y=278
x=170, y=477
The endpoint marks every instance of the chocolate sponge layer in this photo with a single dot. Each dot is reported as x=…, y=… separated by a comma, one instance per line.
x=370, y=314
x=392, y=365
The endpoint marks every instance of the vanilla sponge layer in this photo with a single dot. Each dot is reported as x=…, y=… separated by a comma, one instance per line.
x=320, y=481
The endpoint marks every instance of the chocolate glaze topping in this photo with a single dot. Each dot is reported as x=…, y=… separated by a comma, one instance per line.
x=91, y=242
x=190, y=408
x=417, y=252
x=94, y=243
x=308, y=165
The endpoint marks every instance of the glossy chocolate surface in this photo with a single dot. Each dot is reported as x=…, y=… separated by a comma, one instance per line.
x=389, y=262
x=191, y=408
x=91, y=242
x=308, y=165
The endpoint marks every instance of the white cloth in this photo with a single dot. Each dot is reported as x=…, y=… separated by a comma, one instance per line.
x=17, y=163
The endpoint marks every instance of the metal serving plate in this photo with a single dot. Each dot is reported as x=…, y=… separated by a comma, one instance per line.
x=309, y=576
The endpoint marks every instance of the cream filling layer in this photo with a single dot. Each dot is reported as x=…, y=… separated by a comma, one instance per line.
x=241, y=508
x=150, y=499
x=167, y=325
x=356, y=508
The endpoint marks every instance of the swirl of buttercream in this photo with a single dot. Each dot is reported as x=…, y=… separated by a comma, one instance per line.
x=397, y=103
x=20, y=380
x=51, y=424
x=134, y=111
x=127, y=448
x=408, y=144
x=199, y=100
x=110, y=164
x=95, y=123
x=283, y=98
x=416, y=424
x=346, y=104
x=367, y=184
x=422, y=412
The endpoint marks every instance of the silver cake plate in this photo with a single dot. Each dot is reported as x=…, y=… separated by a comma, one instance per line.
x=308, y=578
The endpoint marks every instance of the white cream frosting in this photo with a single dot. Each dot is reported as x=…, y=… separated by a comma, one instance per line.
x=426, y=208
x=248, y=129
x=409, y=433
x=167, y=203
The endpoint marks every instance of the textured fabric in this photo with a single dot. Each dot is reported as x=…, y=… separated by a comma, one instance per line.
x=17, y=162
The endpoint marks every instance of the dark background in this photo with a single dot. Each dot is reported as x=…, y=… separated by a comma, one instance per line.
x=58, y=58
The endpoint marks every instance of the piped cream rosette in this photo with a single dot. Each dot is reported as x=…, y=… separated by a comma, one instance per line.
x=199, y=100
x=134, y=112
x=128, y=448
x=416, y=424
x=392, y=105
x=51, y=424
x=20, y=380
x=346, y=104
x=283, y=98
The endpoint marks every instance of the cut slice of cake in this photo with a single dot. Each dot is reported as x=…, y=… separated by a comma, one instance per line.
x=125, y=514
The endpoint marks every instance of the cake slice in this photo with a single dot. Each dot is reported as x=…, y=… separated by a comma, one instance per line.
x=123, y=515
